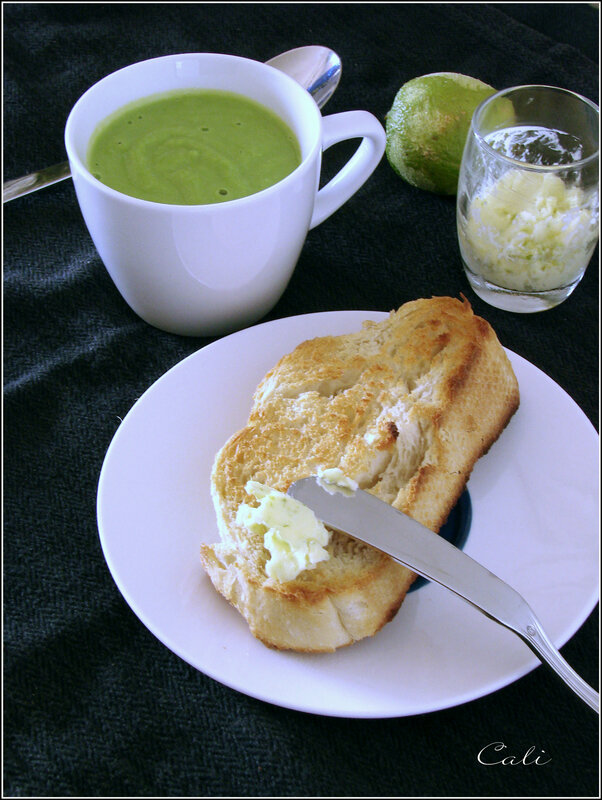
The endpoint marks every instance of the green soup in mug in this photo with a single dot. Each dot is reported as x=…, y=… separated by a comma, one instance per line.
x=191, y=147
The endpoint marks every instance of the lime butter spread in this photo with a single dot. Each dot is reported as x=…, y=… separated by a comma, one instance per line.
x=529, y=231
x=334, y=480
x=292, y=534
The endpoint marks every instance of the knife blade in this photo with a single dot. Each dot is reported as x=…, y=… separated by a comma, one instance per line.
x=369, y=519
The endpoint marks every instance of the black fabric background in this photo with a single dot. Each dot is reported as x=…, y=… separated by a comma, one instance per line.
x=95, y=705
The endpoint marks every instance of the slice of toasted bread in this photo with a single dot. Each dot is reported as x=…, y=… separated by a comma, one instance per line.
x=405, y=407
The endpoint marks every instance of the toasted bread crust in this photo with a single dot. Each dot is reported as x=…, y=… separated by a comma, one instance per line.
x=405, y=407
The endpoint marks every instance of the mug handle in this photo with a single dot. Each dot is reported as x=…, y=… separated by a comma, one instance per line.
x=338, y=128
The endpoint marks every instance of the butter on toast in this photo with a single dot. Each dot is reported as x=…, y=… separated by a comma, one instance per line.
x=405, y=407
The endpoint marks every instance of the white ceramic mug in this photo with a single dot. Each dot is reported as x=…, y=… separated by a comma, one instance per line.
x=201, y=270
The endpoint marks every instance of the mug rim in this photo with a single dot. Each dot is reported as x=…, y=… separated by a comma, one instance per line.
x=525, y=164
x=85, y=173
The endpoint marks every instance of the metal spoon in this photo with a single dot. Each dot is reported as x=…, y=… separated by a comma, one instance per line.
x=316, y=68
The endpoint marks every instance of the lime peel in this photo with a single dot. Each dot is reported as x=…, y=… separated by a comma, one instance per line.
x=427, y=127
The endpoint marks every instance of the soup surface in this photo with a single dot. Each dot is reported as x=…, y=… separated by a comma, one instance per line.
x=191, y=147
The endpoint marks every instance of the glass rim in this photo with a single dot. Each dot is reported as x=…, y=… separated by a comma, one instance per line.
x=525, y=164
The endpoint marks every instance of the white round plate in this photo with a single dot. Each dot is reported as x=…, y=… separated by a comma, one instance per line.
x=534, y=524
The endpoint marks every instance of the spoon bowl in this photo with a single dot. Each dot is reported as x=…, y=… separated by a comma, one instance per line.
x=316, y=68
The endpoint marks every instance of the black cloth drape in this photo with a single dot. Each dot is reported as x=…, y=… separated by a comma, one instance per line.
x=94, y=704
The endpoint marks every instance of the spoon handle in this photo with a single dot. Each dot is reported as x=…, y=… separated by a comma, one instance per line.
x=35, y=181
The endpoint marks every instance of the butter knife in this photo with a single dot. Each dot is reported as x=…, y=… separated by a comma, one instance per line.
x=371, y=520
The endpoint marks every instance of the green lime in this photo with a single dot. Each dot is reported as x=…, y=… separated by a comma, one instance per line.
x=427, y=128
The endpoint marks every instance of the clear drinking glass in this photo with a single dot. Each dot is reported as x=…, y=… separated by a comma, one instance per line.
x=528, y=196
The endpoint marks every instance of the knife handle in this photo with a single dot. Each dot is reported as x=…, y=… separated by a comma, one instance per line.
x=533, y=634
